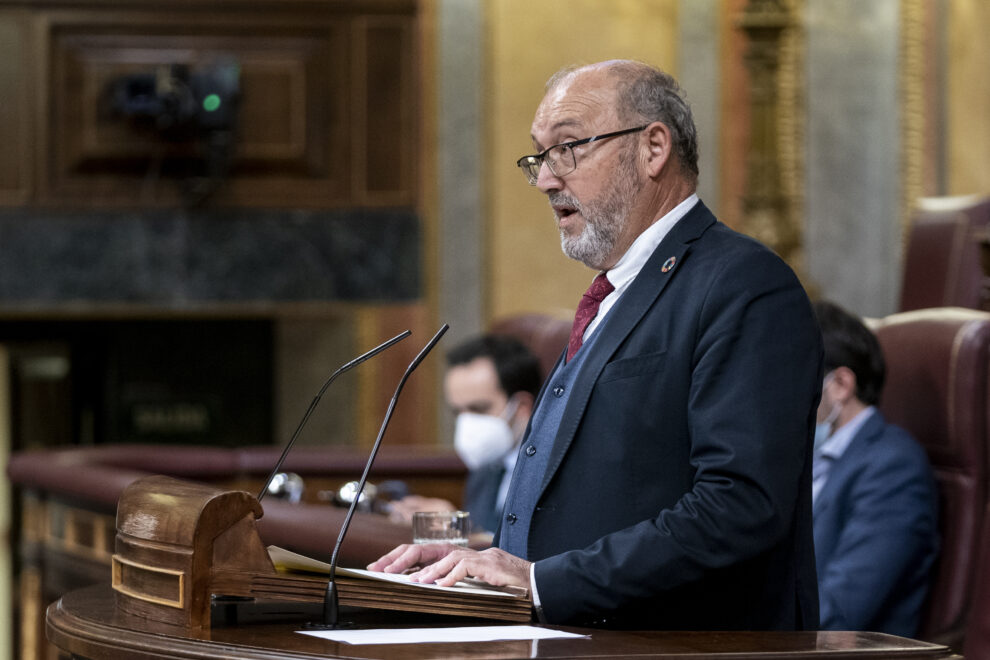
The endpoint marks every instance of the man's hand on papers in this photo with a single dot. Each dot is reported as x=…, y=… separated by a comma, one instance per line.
x=407, y=556
x=446, y=564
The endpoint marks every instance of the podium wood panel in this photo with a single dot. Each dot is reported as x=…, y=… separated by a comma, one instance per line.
x=85, y=624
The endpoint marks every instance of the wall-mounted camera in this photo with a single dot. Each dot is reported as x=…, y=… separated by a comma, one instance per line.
x=195, y=103
x=180, y=101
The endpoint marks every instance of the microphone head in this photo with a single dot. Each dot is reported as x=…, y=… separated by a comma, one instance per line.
x=429, y=347
x=346, y=494
x=287, y=486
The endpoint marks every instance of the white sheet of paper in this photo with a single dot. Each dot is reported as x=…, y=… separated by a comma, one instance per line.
x=425, y=635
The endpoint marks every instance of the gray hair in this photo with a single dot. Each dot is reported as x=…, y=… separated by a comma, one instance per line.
x=645, y=92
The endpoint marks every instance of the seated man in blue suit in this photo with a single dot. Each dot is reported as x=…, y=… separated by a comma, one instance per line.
x=874, y=494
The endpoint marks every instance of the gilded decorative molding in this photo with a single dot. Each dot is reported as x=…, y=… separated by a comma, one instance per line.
x=791, y=85
x=773, y=196
x=912, y=103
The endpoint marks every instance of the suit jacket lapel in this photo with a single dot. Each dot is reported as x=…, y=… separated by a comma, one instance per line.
x=668, y=258
x=872, y=428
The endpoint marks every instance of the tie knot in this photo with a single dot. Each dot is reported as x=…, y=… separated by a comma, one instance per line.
x=587, y=310
x=600, y=287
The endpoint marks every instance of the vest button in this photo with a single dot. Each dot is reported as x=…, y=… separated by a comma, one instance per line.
x=511, y=518
x=530, y=450
x=558, y=391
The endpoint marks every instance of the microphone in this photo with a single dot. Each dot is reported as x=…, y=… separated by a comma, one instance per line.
x=312, y=406
x=330, y=605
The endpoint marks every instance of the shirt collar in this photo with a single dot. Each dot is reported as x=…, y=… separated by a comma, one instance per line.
x=627, y=268
x=838, y=442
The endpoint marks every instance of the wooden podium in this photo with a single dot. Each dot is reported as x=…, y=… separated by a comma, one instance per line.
x=181, y=543
x=173, y=539
x=86, y=624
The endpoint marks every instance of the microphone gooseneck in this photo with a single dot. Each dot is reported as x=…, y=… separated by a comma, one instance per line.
x=312, y=406
x=330, y=604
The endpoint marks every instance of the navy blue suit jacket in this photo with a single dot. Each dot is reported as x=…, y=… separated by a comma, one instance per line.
x=876, y=536
x=480, y=494
x=678, y=493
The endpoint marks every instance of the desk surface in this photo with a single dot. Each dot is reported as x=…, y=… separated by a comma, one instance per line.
x=86, y=624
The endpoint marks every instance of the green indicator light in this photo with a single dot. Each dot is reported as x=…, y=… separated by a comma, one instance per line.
x=211, y=102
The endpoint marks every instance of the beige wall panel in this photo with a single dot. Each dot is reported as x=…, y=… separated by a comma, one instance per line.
x=968, y=97
x=528, y=42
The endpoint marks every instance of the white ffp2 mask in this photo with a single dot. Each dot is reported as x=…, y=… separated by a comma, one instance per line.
x=483, y=439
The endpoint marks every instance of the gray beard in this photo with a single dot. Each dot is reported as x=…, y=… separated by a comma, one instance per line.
x=596, y=242
x=603, y=217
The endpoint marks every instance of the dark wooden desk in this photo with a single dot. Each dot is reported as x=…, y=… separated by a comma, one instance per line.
x=85, y=624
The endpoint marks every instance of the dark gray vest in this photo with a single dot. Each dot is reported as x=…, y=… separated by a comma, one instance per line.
x=534, y=454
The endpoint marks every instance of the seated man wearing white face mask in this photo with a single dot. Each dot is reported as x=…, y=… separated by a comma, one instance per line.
x=873, y=493
x=490, y=384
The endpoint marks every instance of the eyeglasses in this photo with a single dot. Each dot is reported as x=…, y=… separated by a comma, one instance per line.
x=560, y=157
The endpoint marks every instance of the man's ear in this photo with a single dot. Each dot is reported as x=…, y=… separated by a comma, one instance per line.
x=659, y=146
x=843, y=384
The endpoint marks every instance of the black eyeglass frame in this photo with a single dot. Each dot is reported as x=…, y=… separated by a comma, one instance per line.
x=541, y=157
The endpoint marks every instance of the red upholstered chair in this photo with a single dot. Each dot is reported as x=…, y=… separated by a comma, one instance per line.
x=942, y=262
x=977, y=642
x=545, y=335
x=938, y=367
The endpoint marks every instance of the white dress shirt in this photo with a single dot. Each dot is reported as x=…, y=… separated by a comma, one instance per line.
x=627, y=268
x=833, y=448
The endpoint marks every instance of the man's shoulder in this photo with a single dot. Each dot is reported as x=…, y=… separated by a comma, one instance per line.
x=721, y=253
x=882, y=431
x=710, y=237
x=890, y=445
x=726, y=238
x=901, y=441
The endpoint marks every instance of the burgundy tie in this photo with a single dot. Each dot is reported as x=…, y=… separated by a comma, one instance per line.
x=587, y=310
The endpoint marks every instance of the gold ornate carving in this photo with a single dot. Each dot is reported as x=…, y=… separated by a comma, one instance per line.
x=775, y=161
x=791, y=131
x=912, y=102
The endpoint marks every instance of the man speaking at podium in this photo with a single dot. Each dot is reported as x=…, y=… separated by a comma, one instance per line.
x=664, y=479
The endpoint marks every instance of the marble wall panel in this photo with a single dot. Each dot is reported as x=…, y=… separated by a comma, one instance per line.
x=175, y=259
x=853, y=186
